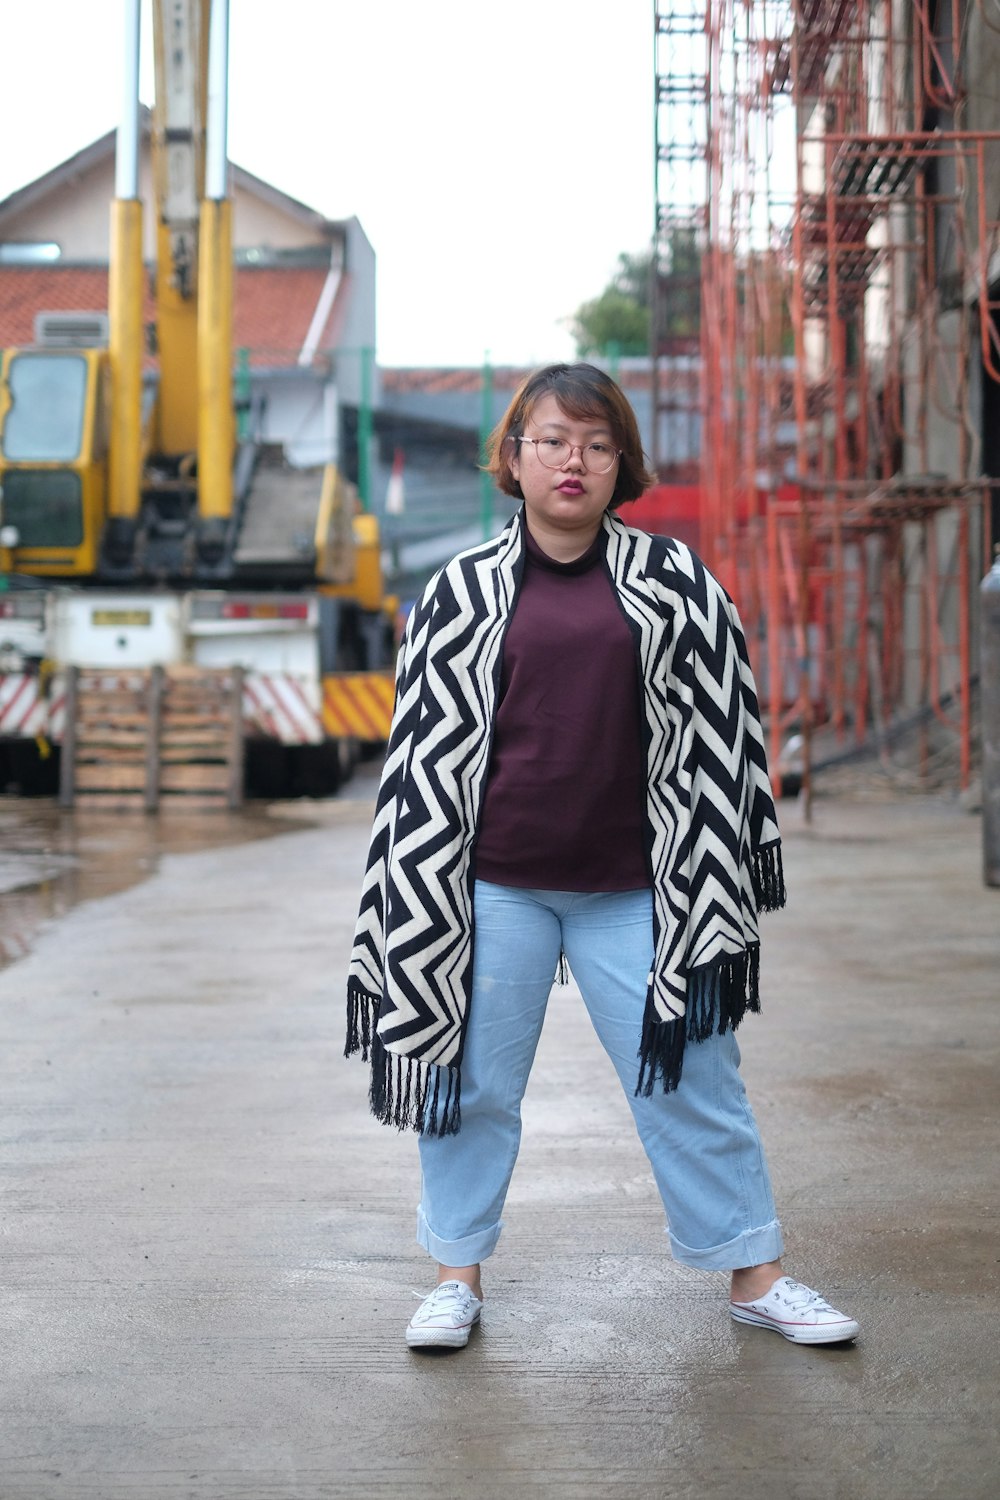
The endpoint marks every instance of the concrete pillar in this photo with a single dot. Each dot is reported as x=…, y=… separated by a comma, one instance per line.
x=989, y=693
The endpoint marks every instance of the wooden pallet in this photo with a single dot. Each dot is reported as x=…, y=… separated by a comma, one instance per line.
x=143, y=740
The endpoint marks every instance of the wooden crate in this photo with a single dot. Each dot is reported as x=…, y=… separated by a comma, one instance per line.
x=201, y=738
x=105, y=744
x=163, y=737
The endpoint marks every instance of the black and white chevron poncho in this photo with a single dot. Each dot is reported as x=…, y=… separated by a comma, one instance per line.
x=711, y=835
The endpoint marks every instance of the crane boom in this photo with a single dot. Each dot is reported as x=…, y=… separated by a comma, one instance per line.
x=180, y=54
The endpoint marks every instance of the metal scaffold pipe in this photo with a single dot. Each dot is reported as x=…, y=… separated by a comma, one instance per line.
x=127, y=143
x=217, y=132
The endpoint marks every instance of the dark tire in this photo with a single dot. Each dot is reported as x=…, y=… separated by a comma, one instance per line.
x=316, y=770
x=268, y=774
x=26, y=772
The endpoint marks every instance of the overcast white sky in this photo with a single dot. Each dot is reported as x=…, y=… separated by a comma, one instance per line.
x=499, y=156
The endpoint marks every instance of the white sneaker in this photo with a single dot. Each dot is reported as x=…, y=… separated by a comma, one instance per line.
x=798, y=1313
x=445, y=1318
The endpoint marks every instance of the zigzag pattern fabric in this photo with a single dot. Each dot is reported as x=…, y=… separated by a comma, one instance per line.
x=712, y=839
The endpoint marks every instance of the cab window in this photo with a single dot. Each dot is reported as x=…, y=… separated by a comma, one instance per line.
x=44, y=421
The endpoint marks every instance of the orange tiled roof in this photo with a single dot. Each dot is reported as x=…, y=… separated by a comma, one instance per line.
x=25, y=290
x=273, y=305
x=273, y=310
x=440, y=381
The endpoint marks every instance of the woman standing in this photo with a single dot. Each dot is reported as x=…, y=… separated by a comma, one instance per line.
x=576, y=770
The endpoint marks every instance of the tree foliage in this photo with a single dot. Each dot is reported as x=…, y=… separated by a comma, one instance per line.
x=680, y=286
x=619, y=320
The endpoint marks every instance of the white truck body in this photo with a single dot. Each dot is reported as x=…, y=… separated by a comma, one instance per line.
x=274, y=638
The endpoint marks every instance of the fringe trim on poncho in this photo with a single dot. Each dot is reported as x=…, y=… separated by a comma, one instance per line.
x=408, y=1094
x=719, y=996
x=768, y=878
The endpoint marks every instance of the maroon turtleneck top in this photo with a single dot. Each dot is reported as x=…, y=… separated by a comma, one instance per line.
x=565, y=795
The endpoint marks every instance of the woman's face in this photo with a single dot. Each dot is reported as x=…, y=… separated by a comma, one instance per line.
x=570, y=499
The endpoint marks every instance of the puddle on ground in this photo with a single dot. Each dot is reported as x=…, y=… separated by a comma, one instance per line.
x=51, y=860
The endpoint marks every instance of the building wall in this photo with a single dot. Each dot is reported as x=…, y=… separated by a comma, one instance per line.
x=259, y=224
x=355, y=339
x=301, y=414
x=951, y=428
x=77, y=215
x=944, y=418
x=982, y=109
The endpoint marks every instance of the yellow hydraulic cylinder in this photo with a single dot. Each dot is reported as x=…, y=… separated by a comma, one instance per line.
x=177, y=349
x=125, y=291
x=216, y=426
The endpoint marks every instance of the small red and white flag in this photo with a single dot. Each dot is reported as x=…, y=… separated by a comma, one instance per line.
x=395, y=495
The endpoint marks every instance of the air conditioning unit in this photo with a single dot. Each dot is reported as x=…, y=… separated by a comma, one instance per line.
x=71, y=330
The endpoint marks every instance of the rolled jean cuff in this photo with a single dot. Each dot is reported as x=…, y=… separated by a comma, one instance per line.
x=468, y=1251
x=753, y=1248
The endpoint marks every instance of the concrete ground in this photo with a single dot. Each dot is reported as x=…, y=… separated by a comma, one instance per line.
x=207, y=1245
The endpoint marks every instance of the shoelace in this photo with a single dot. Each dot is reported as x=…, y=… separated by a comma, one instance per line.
x=441, y=1294
x=805, y=1298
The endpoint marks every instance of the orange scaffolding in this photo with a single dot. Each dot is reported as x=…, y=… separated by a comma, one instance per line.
x=680, y=188
x=850, y=257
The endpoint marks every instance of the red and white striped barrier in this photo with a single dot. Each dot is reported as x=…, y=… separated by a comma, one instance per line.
x=276, y=706
x=281, y=707
x=31, y=706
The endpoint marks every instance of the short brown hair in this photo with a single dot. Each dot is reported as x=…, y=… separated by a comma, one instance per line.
x=583, y=392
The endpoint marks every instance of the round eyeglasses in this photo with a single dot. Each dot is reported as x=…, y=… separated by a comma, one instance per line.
x=555, y=453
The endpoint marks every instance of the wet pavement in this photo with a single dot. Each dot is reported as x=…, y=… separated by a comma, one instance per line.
x=207, y=1248
x=51, y=861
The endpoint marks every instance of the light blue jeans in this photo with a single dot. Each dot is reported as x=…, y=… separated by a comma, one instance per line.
x=701, y=1140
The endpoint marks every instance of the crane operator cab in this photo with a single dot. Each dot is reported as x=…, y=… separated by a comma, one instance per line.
x=53, y=459
x=56, y=506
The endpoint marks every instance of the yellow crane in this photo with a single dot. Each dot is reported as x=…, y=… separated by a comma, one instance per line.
x=139, y=492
